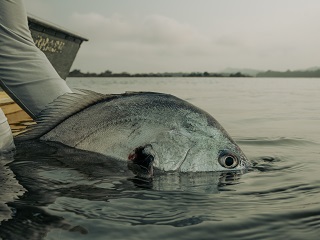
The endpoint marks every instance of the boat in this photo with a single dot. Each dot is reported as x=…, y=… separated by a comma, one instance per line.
x=59, y=45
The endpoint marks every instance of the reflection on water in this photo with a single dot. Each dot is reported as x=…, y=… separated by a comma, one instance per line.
x=54, y=192
x=10, y=187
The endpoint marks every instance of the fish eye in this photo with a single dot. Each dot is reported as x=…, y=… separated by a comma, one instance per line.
x=228, y=160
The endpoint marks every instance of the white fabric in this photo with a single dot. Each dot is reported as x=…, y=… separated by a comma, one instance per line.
x=6, y=140
x=25, y=73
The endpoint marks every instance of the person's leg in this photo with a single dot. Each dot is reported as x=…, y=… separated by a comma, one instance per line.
x=6, y=140
x=25, y=72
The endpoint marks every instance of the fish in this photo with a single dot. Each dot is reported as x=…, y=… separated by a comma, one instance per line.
x=149, y=130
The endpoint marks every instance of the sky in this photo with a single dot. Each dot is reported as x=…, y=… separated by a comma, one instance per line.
x=188, y=35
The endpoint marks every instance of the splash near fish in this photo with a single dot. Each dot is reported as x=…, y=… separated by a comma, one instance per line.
x=148, y=130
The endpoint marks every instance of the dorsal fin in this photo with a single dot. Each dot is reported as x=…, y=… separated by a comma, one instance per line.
x=60, y=109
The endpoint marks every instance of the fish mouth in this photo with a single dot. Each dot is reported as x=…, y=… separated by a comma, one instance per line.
x=140, y=161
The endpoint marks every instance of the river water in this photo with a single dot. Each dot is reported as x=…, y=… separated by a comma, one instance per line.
x=53, y=192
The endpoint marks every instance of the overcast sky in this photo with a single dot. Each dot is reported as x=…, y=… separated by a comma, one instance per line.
x=189, y=35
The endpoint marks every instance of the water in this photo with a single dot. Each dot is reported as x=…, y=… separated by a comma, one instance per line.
x=54, y=192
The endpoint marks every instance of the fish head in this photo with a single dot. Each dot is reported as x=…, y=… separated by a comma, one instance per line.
x=196, y=143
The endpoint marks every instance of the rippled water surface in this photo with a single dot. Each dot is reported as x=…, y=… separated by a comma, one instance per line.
x=53, y=192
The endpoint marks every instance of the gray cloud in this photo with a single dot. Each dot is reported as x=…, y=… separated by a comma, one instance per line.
x=146, y=36
x=155, y=37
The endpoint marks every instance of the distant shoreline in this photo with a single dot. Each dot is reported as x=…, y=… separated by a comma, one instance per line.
x=78, y=73
x=266, y=74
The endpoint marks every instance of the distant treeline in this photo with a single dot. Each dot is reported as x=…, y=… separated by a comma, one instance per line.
x=78, y=73
x=286, y=74
x=291, y=74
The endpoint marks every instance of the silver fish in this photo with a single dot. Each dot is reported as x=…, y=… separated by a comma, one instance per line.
x=149, y=130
